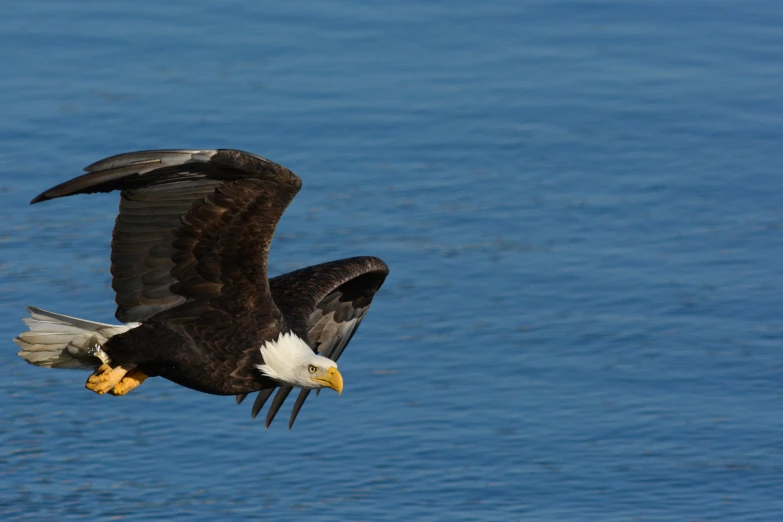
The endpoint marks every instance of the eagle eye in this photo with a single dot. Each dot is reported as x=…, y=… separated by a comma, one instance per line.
x=312, y=369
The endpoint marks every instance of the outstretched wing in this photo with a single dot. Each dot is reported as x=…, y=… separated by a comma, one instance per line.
x=193, y=232
x=331, y=299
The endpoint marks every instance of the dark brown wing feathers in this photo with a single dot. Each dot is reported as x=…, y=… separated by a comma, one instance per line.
x=193, y=232
x=302, y=292
x=157, y=167
x=332, y=298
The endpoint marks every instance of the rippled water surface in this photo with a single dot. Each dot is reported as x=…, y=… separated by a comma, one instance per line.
x=580, y=203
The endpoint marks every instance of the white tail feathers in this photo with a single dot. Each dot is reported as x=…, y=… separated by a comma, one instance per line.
x=59, y=341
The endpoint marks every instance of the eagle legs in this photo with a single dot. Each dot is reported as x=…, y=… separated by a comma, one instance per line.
x=96, y=350
x=131, y=380
x=117, y=380
x=105, y=378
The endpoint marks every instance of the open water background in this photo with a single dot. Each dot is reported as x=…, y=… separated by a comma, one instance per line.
x=580, y=202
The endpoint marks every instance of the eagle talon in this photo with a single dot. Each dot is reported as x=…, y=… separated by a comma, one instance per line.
x=132, y=380
x=105, y=378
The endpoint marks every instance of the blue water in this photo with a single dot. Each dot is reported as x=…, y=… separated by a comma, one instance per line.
x=580, y=202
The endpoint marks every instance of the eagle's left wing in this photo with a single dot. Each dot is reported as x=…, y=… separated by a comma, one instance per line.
x=331, y=299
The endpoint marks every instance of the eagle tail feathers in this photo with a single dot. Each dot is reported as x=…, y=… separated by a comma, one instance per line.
x=60, y=341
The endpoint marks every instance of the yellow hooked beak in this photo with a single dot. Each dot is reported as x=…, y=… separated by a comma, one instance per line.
x=332, y=380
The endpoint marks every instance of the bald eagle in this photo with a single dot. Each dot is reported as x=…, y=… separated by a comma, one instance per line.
x=189, y=264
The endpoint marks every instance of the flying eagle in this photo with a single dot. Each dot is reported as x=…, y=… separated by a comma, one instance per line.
x=189, y=264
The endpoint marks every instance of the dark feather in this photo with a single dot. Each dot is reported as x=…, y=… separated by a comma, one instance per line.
x=278, y=401
x=298, y=406
x=262, y=397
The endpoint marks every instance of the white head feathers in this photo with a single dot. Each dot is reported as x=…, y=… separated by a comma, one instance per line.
x=288, y=360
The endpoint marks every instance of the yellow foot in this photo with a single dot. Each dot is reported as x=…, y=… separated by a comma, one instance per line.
x=105, y=378
x=131, y=380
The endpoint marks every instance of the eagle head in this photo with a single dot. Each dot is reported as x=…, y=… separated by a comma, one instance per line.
x=290, y=360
